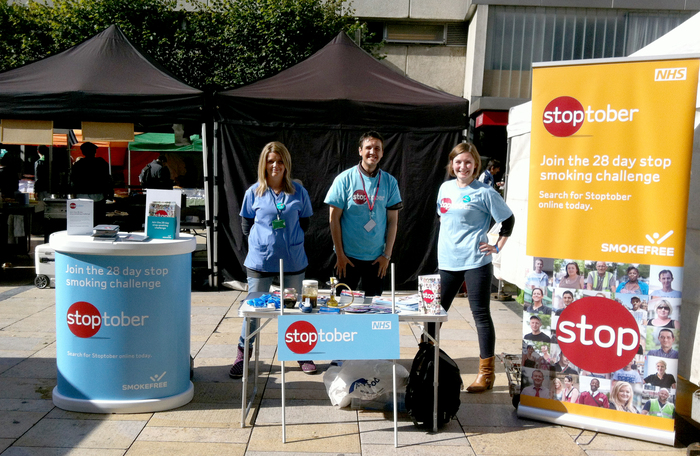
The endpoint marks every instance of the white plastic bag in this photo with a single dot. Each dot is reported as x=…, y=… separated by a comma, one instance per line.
x=362, y=379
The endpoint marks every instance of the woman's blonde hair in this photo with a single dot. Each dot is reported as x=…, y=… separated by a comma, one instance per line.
x=616, y=391
x=281, y=150
x=661, y=361
x=462, y=148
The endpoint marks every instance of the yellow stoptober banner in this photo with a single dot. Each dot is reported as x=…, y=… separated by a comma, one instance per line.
x=610, y=160
x=611, y=147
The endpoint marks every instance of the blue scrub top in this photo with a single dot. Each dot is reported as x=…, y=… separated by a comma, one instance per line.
x=267, y=245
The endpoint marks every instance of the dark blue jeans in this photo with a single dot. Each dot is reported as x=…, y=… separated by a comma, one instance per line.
x=363, y=272
x=478, y=283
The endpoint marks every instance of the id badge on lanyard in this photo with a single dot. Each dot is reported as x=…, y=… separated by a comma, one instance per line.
x=369, y=226
x=280, y=223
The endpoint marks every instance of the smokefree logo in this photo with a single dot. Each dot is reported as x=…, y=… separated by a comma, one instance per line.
x=598, y=334
x=564, y=116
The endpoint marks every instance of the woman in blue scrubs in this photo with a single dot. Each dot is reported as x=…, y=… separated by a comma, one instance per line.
x=274, y=215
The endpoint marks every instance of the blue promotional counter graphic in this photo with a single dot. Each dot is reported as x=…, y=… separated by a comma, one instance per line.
x=338, y=337
x=122, y=324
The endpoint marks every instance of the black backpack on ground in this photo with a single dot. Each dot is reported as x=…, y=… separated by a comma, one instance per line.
x=419, y=390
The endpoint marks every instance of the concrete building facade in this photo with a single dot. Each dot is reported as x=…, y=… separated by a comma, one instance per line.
x=483, y=50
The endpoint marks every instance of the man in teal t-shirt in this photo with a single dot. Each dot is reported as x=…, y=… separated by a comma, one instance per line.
x=364, y=214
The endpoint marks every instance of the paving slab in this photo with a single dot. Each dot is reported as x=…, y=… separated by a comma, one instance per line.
x=378, y=428
x=13, y=424
x=82, y=434
x=200, y=415
x=298, y=411
x=33, y=368
x=415, y=450
x=26, y=388
x=185, y=449
x=199, y=434
x=306, y=438
x=39, y=451
x=607, y=442
x=536, y=441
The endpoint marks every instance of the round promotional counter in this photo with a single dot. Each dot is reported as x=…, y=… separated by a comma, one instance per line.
x=122, y=323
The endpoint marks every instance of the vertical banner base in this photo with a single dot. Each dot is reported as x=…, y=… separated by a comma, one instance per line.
x=598, y=425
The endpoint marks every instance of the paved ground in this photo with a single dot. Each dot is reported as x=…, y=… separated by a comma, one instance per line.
x=210, y=425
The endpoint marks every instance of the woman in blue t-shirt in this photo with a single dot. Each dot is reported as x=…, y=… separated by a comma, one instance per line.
x=465, y=208
x=274, y=214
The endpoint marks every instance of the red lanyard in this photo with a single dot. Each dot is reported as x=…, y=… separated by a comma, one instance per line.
x=370, y=204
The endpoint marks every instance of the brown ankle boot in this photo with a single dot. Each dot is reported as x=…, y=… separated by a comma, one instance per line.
x=485, y=378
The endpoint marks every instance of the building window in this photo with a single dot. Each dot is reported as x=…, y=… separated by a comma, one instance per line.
x=519, y=36
x=397, y=32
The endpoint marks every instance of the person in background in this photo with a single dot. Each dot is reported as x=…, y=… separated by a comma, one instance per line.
x=465, y=207
x=666, y=339
x=573, y=278
x=536, y=389
x=632, y=284
x=563, y=366
x=156, y=174
x=558, y=389
x=537, y=278
x=537, y=306
x=274, y=214
x=364, y=215
x=567, y=298
x=600, y=279
x=41, y=174
x=667, y=291
x=571, y=393
x=594, y=397
x=530, y=357
x=628, y=374
x=661, y=379
x=659, y=407
x=537, y=335
x=621, y=398
x=89, y=178
x=663, y=316
x=488, y=177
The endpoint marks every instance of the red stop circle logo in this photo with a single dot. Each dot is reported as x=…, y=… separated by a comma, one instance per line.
x=301, y=337
x=83, y=319
x=598, y=334
x=72, y=205
x=359, y=197
x=563, y=116
x=428, y=296
x=445, y=205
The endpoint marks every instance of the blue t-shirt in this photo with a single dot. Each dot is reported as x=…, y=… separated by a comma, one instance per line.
x=630, y=376
x=267, y=245
x=667, y=294
x=465, y=215
x=347, y=193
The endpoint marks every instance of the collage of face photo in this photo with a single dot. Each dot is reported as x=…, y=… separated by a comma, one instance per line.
x=651, y=293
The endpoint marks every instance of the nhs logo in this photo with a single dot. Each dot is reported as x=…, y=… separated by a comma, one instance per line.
x=381, y=325
x=670, y=74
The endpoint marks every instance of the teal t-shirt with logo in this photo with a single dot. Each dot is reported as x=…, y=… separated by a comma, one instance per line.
x=465, y=215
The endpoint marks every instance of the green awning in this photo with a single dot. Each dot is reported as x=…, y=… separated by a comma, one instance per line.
x=163, y=142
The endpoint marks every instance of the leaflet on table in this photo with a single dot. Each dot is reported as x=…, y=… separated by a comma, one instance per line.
x=163, y=208
x=161, y=221
x=79, y=216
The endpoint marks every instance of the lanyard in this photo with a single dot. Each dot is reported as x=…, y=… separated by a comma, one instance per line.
x=279, y=206
x=371, y=203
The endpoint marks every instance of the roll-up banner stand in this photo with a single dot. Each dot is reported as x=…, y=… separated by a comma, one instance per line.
x=609, y=176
